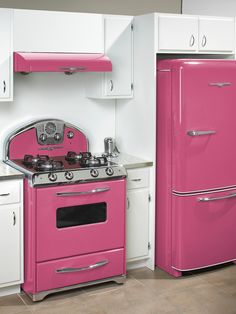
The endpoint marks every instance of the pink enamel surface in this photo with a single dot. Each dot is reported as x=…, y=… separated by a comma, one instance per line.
x=56, y=62
x=203, y=233
x=55, y=243
x=26, y=143
x=203, y=162
x=47, y=278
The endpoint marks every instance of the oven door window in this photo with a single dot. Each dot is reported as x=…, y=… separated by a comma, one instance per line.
x=81, y=215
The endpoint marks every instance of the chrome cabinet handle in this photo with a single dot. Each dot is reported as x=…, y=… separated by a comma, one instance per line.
x=4, y=86
x=5, y=194
x=209, y=199
x=192, y=41
x=127, y=203
x=90, y=267
x=14, y=218
x=199, y=133
x=136, y=180
x=98, y=190
x=111, y=85
x=204, y=41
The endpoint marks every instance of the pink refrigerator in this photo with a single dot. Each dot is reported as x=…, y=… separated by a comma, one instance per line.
x=196, y=164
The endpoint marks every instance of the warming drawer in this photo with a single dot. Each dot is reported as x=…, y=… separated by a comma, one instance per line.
x=79, y=269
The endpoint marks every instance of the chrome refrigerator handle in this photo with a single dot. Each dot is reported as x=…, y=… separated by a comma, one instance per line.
x=209, y=199
x=199, y=133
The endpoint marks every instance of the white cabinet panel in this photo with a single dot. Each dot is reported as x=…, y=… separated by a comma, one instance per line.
x=137, y=224
x=6, y=69
x=178, y=32
x=216, y=34
x=10, y=262
x=49, y=31
x=118, y=46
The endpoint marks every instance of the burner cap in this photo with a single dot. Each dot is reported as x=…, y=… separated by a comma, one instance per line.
x=48, y=165
x=74, y=157
x=93, y=162
x=30, y=160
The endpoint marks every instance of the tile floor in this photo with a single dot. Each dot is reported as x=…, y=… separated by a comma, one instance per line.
x=145, y=292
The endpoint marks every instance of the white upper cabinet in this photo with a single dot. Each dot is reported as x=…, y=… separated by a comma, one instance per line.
x=6, y=62
x=216, y=34
x=118, y=46
x=178, y=33
x=194, y=34
x=50, y=31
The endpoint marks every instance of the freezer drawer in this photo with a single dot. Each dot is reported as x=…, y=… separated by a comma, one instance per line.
x=203, y=229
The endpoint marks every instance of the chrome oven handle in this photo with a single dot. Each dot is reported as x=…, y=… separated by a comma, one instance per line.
x=74, y=270
x=98, y=190
x=199, y=133
x=209, y=199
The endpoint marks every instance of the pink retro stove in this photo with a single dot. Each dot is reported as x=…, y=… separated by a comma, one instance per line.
x=74, y=209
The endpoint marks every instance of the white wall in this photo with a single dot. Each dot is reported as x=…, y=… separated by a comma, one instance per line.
x=209, y=7
x=56, y=95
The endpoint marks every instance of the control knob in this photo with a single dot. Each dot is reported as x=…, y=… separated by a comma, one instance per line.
x=109, y=171
x=70, y=134
x=69, y=175
x=94, y=173
x=57, y=137
x=43, y=137
x=52, y=177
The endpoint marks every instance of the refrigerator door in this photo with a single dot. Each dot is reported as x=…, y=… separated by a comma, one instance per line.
x=204, y=125
x=203, y=230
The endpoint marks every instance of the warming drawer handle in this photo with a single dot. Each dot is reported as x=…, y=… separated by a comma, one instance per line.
x=74, y=270
x=209, y=199
x=5, y=194
x=199, y=133
x=98, y=190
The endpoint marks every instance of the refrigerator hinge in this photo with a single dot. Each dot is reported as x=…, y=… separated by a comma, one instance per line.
x=149, y=198
x=149, y=245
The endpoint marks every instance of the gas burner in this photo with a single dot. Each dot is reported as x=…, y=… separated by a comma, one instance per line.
x=49, y=165
x=93, y=162
x=74, y=157
x=30, y=160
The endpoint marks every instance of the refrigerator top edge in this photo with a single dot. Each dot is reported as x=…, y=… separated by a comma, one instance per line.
x=178, y=63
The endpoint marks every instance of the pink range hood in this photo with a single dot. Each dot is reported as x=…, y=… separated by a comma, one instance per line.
x=26, y=62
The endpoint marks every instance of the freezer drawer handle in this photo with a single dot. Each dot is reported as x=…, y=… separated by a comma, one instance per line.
x=74, y=270
x=209, y=199
x=98, y=190
x=199, y=133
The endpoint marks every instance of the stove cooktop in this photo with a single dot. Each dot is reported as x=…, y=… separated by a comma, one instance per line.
x=81, y=167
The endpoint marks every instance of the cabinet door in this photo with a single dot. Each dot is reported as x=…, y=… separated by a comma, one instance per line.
x=118, y=46
x=10, y=262
x=137, y=224
x=48, y=31
x=177, y=33
x=6, y=72
x=216, y=34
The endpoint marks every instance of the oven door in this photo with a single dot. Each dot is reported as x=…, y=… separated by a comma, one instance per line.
x=80, y=219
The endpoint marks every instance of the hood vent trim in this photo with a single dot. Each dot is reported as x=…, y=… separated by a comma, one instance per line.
x=27, y=62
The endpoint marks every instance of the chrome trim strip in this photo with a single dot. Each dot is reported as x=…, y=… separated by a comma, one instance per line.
x=29, y=126
x=98, y=190
x=209, y=191
x=211, y=265
x=209, y=199
x=41, y=295
x=74, y=270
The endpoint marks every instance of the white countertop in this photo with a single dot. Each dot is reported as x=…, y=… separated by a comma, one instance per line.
x=8, y=173
x=130, y=162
